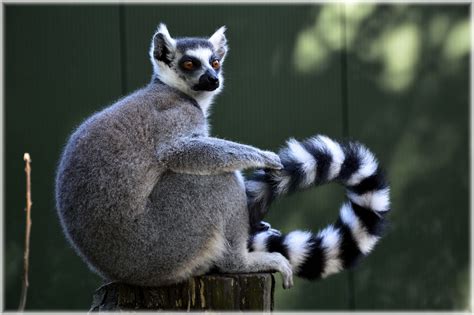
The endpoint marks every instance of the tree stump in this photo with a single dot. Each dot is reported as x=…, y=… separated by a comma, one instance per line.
x=236, y=292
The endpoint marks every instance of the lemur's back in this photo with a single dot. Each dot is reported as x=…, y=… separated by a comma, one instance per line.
x=121, y=209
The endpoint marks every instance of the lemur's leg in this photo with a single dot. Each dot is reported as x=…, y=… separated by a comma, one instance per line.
x=238, y=258
x=207, y=156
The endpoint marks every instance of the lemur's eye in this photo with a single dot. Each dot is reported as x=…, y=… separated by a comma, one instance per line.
x=188, y=65
x=215, y=64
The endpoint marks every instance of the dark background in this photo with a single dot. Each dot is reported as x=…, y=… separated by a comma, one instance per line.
x=395, y=77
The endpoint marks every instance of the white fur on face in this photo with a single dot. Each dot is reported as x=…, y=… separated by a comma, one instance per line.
x=205, y=98
x=201, y=53
x=171, y=78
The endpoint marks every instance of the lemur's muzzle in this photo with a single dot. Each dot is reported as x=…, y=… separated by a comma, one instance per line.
x=207, y=82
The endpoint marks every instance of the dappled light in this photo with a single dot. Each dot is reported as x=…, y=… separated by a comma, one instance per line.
x=397, y=38
x=407, y=74
x=399, y=51
x=458, y=42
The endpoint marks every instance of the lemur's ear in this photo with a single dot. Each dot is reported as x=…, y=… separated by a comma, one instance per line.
x=163, y=46
x=219, y=42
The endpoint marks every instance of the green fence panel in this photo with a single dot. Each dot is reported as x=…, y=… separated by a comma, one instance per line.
x=408, y=100
x=62, y=63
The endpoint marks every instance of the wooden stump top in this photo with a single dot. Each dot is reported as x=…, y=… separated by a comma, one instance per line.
x=219, y=292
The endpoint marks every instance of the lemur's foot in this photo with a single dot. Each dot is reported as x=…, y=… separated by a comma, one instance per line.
x=284, y=267
x=266, y=227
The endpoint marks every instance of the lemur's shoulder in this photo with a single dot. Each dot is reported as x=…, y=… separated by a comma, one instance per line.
x=155, y=104
x=156, y=96
x=159, y=111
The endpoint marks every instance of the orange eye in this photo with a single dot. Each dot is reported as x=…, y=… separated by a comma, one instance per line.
x=216, y=64
x=188, y=65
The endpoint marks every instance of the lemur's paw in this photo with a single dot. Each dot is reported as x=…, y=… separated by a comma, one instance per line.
x=266, y=227
x=271, y=160
x=274, y=232
x=284, y=267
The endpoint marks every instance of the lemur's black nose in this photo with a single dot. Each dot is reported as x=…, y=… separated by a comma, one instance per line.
x=207, y=82
x=213, y=79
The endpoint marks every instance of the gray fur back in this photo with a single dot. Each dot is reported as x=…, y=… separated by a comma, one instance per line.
x=129, y=217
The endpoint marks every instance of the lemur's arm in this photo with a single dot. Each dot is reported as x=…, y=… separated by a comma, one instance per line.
x=207, y=156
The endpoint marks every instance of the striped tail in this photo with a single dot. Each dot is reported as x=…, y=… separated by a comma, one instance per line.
x=315, y=161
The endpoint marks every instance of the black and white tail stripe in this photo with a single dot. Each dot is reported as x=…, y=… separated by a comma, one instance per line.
x=361, y=218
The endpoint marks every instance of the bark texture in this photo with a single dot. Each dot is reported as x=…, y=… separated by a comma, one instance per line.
x=230, y=292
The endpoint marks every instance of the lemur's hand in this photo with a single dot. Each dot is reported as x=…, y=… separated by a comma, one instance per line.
x=271, y=160
x=265, y=226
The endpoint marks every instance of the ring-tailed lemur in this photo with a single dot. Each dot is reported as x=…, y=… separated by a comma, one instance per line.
x=147, y=197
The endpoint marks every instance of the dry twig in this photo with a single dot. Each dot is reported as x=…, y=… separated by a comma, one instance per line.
x=26, y=256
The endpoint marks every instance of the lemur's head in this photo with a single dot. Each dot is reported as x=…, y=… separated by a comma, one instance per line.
x=191, y=65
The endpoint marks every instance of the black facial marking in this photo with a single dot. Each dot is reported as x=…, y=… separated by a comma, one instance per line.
x=194, y=60
x=213, y=58
x=207, y=82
